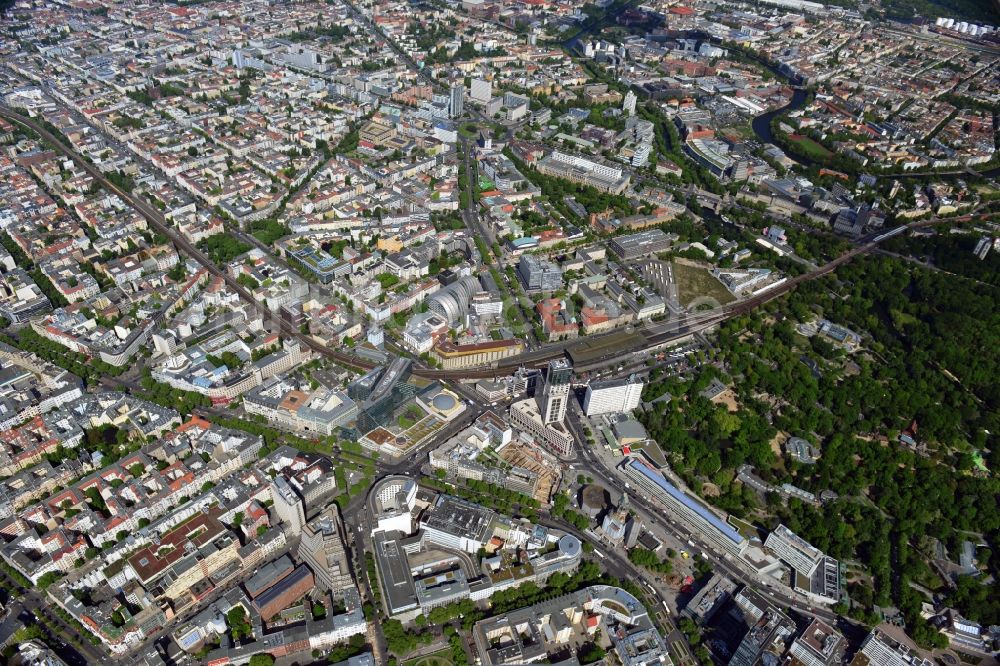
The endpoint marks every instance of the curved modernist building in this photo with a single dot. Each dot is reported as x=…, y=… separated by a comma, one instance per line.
x=452, y=302
x=390, y=503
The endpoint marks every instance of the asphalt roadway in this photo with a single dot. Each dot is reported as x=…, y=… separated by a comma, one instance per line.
x=31, y=606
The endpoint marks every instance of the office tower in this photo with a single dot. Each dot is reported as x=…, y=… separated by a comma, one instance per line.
x=456, y=100
x=555, y=394
x=629, y=104
x=322, y=548
x=288, y=505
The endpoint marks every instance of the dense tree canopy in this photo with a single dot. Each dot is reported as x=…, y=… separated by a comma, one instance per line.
x=931, y=357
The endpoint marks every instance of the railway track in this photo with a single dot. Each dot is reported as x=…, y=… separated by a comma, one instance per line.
x=694, y=323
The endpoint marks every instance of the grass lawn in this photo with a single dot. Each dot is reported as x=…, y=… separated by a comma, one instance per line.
x=653, y=451
x=746, y=529
x=439, y=658
x=410, y=417
x=694, y=282
x=810, y=147
x=902, y=319
x=387, y=280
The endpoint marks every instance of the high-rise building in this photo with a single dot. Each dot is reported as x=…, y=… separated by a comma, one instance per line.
x=819, y=645
x=628, y=106
x=613, y=395
x=456, y=101
x=555, y=394
x=481, y=90
x=793, y=549
x=525, y=381
x=322, y=548
x=376, y=336
x=288, y=505
x=768, y=629
x=6, y=502
x=983, y=247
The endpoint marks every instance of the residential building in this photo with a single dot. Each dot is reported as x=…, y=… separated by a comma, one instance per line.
x=557, y=321
x=424, y=329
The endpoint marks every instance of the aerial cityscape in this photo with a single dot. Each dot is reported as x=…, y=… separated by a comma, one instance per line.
x=494, y=332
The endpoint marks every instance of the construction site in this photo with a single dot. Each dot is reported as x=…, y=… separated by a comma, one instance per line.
x=530, y=458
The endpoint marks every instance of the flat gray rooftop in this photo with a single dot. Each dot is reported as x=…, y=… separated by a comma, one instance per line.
x=394, y=572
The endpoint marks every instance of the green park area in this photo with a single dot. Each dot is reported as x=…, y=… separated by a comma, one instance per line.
x=439, y=658
x=810, y=147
